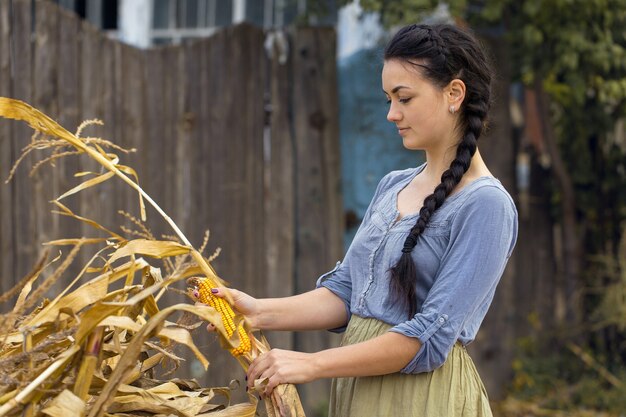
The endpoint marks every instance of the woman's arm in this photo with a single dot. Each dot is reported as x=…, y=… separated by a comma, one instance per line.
x=314, y=310
x=385, y=354
x=318, y=309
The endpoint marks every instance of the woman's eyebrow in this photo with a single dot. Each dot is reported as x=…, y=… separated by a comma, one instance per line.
x=395, y=89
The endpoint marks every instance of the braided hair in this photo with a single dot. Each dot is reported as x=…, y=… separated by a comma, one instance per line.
x=441, y=53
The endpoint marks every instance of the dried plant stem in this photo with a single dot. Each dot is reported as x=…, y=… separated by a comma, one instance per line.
x=47, y=283
x=200, y=261
x=28, y=410
x=22, y=282
x=206, y=268
x=51, y=160
x=24, y=394
x=592, y=363
x=19, y=110
x=27, y=346
x=89, y=364
x=149, y=363
x=6, y=397
x=284, y=402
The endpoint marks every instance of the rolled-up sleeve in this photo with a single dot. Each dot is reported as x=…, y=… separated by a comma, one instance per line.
x=338, y=281
x=482, y=236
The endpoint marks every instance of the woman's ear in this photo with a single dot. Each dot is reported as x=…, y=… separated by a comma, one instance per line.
x=455, y=93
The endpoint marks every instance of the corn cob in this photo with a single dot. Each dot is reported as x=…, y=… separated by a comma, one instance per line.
x=204, y=295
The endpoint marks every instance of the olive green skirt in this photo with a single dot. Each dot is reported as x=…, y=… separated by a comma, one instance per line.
x=453, y=390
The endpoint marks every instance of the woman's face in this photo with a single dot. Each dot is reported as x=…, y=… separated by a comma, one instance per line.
x=417, y=107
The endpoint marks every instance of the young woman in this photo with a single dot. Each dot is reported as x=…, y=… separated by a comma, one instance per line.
x=423, y=267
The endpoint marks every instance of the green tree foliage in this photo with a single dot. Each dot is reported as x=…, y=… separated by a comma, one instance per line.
x=561, y=381
x=577, y=49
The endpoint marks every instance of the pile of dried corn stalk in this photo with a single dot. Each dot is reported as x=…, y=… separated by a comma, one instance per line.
x=92, y=350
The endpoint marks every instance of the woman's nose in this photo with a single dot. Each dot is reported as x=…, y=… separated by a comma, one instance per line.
x=393, y=115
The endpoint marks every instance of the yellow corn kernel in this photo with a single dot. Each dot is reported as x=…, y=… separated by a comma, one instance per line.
x=221, y=306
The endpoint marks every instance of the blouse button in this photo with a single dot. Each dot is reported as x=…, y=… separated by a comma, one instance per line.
x=441, y=320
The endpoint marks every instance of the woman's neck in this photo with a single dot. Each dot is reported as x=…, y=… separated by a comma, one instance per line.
x=438, y=163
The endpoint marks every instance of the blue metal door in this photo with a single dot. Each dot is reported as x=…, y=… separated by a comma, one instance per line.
x=370, y=145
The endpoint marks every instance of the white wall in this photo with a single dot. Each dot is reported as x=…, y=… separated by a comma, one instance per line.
x=356, y=32
x=134, y=22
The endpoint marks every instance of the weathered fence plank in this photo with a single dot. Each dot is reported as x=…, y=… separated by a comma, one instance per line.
x=7, y=248
x=169, y=116
x=68, y=110
x=25, y=238
x=188, y=139
x=152, y=141
x=92, y=91
x=317, y=178
x=45, y=92
x=204, y=171
x=131, y=97
x=109, y=198
x=253, y=270
x=279, y=199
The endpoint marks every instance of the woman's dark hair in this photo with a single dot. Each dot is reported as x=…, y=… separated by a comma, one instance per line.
x=441, y=53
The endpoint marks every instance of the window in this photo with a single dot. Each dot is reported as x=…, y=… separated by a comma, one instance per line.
x=101, y=13
x=174, y=21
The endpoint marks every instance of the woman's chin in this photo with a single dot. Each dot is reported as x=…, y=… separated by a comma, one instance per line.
x=412, y=145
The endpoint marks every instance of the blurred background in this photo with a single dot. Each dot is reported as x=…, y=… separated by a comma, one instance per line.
x=264, y=121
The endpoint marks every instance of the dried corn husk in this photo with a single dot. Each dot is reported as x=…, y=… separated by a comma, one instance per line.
x=84, y=353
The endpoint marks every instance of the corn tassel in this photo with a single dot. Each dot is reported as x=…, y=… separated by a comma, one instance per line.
x=205, y=296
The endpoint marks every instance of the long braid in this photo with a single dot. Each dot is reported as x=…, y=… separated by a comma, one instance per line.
x=443, y=64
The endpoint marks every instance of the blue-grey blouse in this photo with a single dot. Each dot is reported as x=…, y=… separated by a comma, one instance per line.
x=459, y=258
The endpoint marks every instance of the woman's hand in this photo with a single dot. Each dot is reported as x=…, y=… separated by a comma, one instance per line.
x=242, y=302
x=281, y=367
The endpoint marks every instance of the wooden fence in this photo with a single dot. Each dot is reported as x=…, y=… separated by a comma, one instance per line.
x=228, y=136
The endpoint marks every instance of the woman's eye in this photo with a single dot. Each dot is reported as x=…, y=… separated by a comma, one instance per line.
x=400, y=100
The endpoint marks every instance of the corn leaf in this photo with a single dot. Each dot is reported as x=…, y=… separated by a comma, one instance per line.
x=66, y=404
x=87, y=184
x=151, y=248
